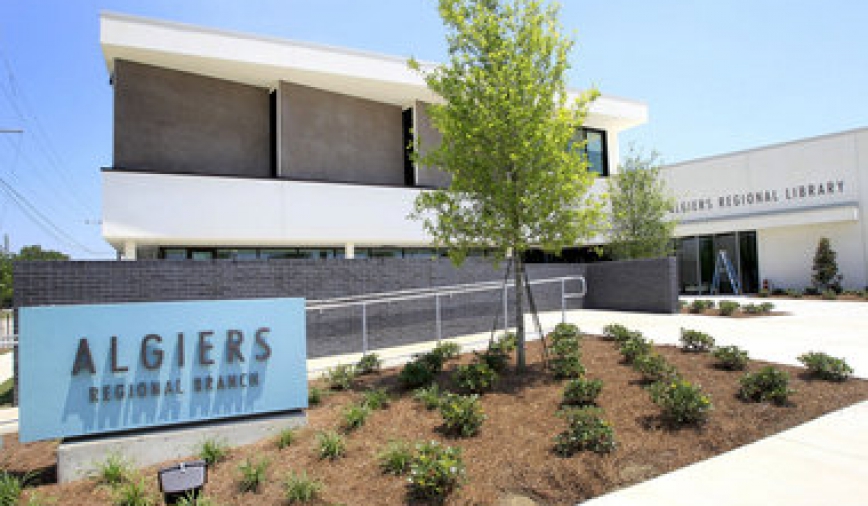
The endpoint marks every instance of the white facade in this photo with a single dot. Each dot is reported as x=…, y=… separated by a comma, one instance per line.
x=791, y=194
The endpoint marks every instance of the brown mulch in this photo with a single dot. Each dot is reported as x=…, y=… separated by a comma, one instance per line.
x=512, y=456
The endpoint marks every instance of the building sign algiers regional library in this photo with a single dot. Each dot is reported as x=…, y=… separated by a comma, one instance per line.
x=93, y=369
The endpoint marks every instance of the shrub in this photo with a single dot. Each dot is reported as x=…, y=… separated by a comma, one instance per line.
x=728, y=307
x=192, y=499
x=825, y=366
x=395, y=458
x=586, y=430
x=285, y=438
x=298, y=488
x=433, y=361
x=132, y=493
x=341, y=376
x=634, y=347
x=811, y=290
x=696, y=341
x=10, y=488
x=462, y=414
x=376, y=398
x=435, y=471
x=330, y=445
x=314, y=396
x=447, y=350
x=768, y=384
x=824, y=273
x=415, y=374
x=495, y=358
x=566, y=354
x=653, y=367
x=731, y=358
x=829, y=295
x=567, y=330
x=779, y=291
x=429, y=396
x=252, y=474
x=355, y=416
x=763, y=293
x=113, y=471
x=794, y=293
x=213, y=451
x=681, y=402
x=475, y=378
x=369, y=363
x=699, y=306
x=616, y=332
x=506, y=342
x=766, y=307
x=582, y=392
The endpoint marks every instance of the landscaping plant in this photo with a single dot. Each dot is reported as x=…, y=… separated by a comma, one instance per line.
x=396, y=457
x=192, y=499
x=132, y=493
x=314, y=396
x=369, y=363
x=634, y=347
x=10, y=488
x=330, y=445
x=376, y=398
x=213, y=451
x=699, y=306
x=416, y=374
x=429, y=396
x=615, y=332
x=475, y=378
x=766, y=385
x=654, y=367
x=566, y=353
x=731, y=358
x=495, y=358
x=728, y=307
x=681, y=402
x=435, y=471
x=298, y=488
x=462, y=414
x=355, y=416
x=447, y=350
x=582, y=392
x=826, y=366
x=252, y=474
x=825, y=275
x=586, y=430
x=113, y=471
x=696, y=341
x=285, y=438
x=341, y=376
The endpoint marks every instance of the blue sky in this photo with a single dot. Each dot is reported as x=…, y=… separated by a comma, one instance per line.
x=717, y=76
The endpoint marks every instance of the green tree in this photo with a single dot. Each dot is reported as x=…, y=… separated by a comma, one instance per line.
x=26, y=254
x=518, y=178
x=639, y=224
x=825, y=274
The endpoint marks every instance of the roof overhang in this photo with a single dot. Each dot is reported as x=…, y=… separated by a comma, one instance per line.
x=265, y=61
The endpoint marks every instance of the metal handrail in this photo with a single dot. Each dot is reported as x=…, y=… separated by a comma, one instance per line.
x=437, y=292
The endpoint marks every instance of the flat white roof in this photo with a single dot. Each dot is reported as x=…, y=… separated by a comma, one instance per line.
x=265, y=61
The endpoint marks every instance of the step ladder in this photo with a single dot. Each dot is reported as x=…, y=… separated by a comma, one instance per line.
x=722, y=263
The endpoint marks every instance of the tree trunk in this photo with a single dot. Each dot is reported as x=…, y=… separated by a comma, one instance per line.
x=519, y=310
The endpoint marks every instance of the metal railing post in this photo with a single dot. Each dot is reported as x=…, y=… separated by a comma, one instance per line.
x=563, y=303
x=505, y=309
x=364, y=329
x=439, y=327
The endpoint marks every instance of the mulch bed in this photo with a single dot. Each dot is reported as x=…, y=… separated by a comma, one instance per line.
x=737, y=314
x=512, y=456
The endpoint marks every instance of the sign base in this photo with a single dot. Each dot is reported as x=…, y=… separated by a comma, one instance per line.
x=80, y=458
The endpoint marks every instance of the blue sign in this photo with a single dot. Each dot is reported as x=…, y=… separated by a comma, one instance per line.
x=94, y=369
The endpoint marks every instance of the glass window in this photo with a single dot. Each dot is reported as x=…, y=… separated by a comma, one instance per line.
x=726, y=242
x=706, y=263
x=688, y=264
x=236, y=254
x=385, y=253
x=175, y=253
x=269, y=254
x=749, y=262
x=202, y=255
x=420, y=253
x=595, y=150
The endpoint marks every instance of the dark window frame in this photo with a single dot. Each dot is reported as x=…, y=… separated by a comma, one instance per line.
x=583, y=131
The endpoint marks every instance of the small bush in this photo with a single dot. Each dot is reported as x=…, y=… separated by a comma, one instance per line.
x=132, y=493
x=355, y=416
x=213, y=451
x=826, y=367
x=10, y=488
x=766, y=307
x=731, y=358
x=766, y=385
x=475, y=378
x=433, y=361
x=330, y=445
x=447, y=350
x=435, y=471
x=567, y=330
x=763, y=293
x=298, y=488
x=506, y=342
x=634, y=347
x=369, y=363
x=681, y=402
x=415, y=374
x=811, y=290
x=829, y=295
x=252, y=474
x=699, y=306
x=376, y=398
x=586, y=430
x=696, y=341
x=779, y=291
x=429, y=396
x=728, y=307
x=654, y=367
x=794, y=293
x=462, y=414
x=192, y=499
x=113, y=471
x=566, y=353
x=582, y=392
x=314, y=396
x=285, y=438
x=395, y=458
x=616, y=332
x=496, y=359
x=341, y=376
